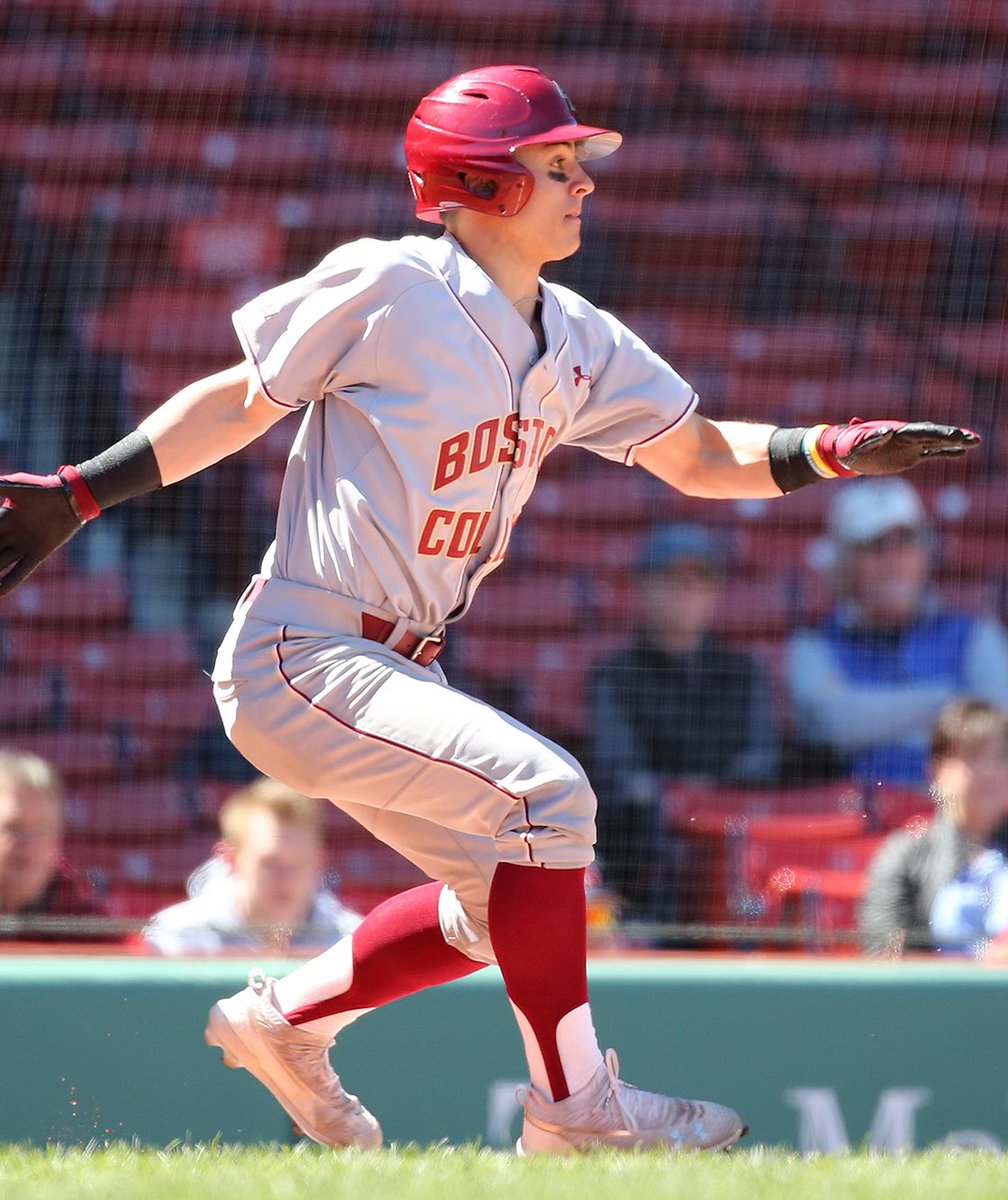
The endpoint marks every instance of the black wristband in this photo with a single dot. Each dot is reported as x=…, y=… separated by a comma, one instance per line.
x=789, y=465
x=124, y=470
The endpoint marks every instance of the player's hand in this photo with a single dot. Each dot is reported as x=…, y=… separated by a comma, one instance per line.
x=889, y=447
x=35, y=519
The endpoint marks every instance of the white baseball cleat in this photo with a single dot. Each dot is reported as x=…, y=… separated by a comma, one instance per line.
x=292, y=1062
x=608, y=1112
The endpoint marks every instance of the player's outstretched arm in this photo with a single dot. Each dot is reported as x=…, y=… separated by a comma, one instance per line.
x=734, y=460
x=198, y=426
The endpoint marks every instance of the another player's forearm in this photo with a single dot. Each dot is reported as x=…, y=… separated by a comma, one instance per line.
x=207, y=421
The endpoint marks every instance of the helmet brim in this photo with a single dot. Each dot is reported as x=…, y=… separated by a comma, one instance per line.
x=590, y=141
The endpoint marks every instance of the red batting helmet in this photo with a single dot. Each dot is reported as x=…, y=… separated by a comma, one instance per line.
x=474, y=123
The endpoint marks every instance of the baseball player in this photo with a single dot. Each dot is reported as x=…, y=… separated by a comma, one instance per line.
x=433, y=376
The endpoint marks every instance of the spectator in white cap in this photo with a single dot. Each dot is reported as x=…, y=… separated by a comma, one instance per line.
x=870, y=681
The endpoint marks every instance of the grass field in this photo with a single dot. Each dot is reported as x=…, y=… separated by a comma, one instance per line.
x=267, y=1173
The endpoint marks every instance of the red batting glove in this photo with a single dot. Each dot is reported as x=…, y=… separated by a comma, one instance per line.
x=885, y=447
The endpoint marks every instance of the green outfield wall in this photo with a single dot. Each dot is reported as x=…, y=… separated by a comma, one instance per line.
x=816, y=1055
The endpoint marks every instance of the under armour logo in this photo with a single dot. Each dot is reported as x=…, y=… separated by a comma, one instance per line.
x=580, y=376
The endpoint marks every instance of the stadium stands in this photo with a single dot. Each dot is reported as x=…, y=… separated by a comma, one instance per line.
x=807, y=218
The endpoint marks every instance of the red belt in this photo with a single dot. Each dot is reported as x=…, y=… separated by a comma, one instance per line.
x=422, y=650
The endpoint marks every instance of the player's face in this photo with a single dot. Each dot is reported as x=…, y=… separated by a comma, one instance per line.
x=276, y=868
x=549, y=226
x=30, y=842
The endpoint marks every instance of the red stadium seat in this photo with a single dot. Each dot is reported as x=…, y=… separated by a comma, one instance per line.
x=833, y=164
x=774, y=84
x=665, y=161
x=218, y=249
x=70, y=601
x=31, y=699
x=93, y=149
x=693, y=22
x=919, y=92
x=614, y=497
x=152, y=864
x=819, y=900
x=892, y=806
x=978, y=165
x=149, y=75
x=897, y=23
x=135, y=811
x=158, y=323
x=80, y=755
x=84, y=659
x=528, y=602
x=761, y=847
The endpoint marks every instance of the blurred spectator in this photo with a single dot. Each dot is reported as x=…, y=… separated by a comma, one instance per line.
x=34, y=880
x=871, y=680
x=263, y=888
x=944, y=885
x=677, y=704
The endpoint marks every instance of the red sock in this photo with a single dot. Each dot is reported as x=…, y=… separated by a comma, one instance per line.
x=397, y=949
x=539, y=934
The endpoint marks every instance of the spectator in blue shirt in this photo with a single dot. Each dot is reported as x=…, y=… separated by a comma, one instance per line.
x=870, y=681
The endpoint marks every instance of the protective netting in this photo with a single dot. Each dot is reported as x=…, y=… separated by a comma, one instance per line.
x=807, y=218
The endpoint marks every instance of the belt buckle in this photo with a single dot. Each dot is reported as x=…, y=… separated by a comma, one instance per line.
x=424, y=642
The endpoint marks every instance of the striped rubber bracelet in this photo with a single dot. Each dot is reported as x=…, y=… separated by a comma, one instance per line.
x=81, y=499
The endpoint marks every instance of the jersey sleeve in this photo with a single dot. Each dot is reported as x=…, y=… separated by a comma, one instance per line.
x=634, y=396
x=316, y=334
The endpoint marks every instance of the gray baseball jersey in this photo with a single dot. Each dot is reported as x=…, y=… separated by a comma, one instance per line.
x=430, y=412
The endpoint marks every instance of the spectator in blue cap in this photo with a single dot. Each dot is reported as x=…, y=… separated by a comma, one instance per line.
x=676, y=704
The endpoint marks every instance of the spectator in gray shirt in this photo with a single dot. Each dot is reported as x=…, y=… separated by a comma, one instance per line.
x=916, y=867
x=262, y=890
x=870, y=681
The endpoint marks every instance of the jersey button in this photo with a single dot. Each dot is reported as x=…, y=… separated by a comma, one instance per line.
x=533, y=360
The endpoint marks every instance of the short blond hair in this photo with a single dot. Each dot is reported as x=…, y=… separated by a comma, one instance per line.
x=267, y=795
x=31, y=773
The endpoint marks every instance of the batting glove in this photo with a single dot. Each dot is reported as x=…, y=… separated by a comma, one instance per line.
x=38, y=514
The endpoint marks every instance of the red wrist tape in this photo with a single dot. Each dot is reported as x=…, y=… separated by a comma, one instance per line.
x=82, y=500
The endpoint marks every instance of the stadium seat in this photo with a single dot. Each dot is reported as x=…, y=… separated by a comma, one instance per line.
x=891, y=806
x=787, y=85
x=70, y=601
x=147, y=76
x=895, y=24
x=834, y=164
x=93, y=149
x=757, y=848
x=977, y=165
x=31, y=700
x=218, y=249
x=135, y=811
x=146, y=863
x=920, y=93
x=820, y=901
x=158, y=323
x=79, y=755
x=664, y=162
x=89, y=659
x=529, y=602
x=694, y=22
